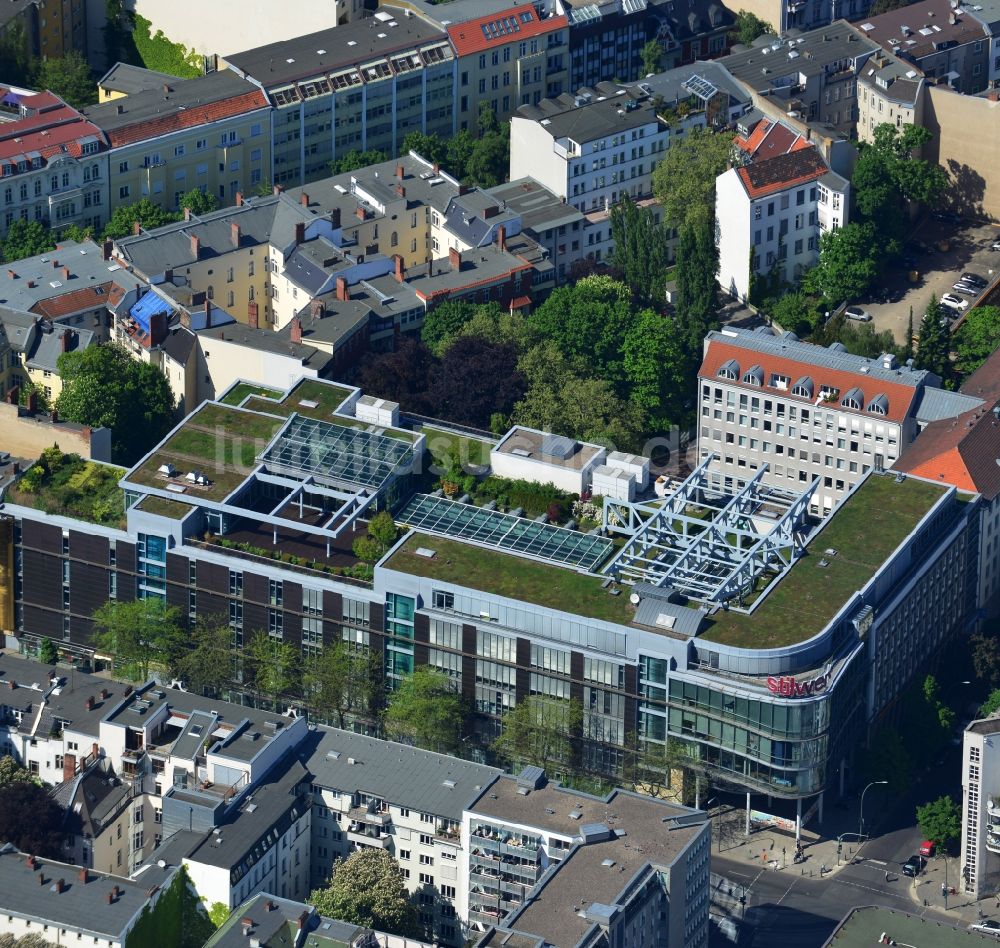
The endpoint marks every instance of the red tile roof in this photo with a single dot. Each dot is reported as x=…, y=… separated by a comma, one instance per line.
x=87, y=297
x=187, y=118
x=899, y=396
x=769, y=139
x=770, y=175
x=499, y=29
x=51, y=128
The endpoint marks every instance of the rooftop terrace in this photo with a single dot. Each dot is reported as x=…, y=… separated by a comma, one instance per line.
x=865, y=531
x=515, y=577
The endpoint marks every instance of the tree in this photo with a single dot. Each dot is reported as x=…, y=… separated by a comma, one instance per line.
x=178, y=918
x=15, y=53
x=652, y=53
x=940, y=821
x=103, y=386
x=69, y=77
x=138, y=634
x=487, y=166
x=934, y=340
x=748, y=27
x=848, y=263
x=476, y=379
x=444, y=322
x=355, y=159
x=654, y=369
x=144, y=212
x=977, y=338
x=198, y=201
x=26, y=239
x=432, y=148
x=31, y=940
x=206, y=667
x=382, y=533
x=540, y=731
x=271, y=664
x=640, y=253
x=47, y=651
x=31, y=820
x=12, y=772
x=685, y=180
x=794, y=312
x=341, y=680
x=425, y=710
x=697, y=289
x=487, y=121
x=991, y=705
x=985, y=648
x=368, y=889
x=401, y=375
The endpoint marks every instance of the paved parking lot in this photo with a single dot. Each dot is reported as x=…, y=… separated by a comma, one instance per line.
x=969, y=250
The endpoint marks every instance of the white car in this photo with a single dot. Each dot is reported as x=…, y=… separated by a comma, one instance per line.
x=857, y=313
x=987, y=927
x=954, y=302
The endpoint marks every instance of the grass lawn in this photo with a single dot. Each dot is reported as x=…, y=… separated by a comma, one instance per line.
x=472, y=452
x=328, y=398
x=242, y=389
x=864, y=531
x=515, y=577
x=66, y=485
x=162, y=507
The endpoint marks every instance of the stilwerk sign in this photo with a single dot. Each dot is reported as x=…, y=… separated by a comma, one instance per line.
x=788, y=687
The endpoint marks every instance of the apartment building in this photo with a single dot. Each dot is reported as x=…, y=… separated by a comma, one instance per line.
x=35, y=345
x=980, y=808
x=364, y=86
x=942, y=41
x=811, y=413
x=605, y=40
x=62, y=28
x=812, y=76
x=772, y=207
x=889, y=91
x=508, y=59
x=53, y=164
x=210, y=133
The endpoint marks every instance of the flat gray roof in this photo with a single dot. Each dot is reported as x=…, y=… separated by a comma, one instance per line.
x=864, y=926
x=598, y=118
x=326, y=51
x=922, y=29
x=540, y=208
x=126, y=78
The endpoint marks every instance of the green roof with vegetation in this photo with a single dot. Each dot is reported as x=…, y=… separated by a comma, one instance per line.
x=67, y=485
x=328, y=398
x=242, y=389
x=218, y=441
x=442, y=444
x=163, y=507
x=511, y=576
x=864, y=531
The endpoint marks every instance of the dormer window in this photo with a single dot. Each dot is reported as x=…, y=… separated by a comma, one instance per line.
x=780, y=382
x=879, y=405
x=803, y=387
x=729, y=370
x=754, y=375
x=828, y=393
x=854, y=399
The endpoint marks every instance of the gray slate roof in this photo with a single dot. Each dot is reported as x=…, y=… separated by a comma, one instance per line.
x=129, y=79
x=540, y=208
x=938, y=403
x=399, y=774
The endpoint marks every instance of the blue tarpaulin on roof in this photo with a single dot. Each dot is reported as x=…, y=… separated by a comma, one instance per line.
x=147, y=307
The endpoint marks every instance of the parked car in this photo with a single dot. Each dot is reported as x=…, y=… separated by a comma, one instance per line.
x=912, y=866
x=996, y=245
x=967, y=289
x=986, y=927
x=954, y=302
x=926, y=848
x=975, y=279
x=857, y=313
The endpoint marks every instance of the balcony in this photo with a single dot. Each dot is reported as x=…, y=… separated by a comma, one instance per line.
x=363, y=834
x=377, y=817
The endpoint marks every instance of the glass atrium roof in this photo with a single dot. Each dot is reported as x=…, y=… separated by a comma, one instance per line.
x=336, y=454
x=448, y=518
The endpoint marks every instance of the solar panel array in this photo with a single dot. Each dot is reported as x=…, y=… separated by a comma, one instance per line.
x=543, y=541
x=336, y=454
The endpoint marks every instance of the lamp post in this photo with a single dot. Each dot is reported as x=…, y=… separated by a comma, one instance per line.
x=861, y=814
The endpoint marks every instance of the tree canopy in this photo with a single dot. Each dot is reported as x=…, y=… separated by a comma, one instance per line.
x=640, y=254
x=144, y=212
x=367, y=888
x=934, y=340
x=26, y=239
x=139, y=633
x=69, y=77
x=425, y=710
x=355, y=159
x=652, y=53
x=472, y=159
x=30, y=819
x=341, y=681
x=198, y=201
x=684, y=181
x=977, y=338
x=748, y=27
x=103, y=386
x=271, y=665
x=539, y=731
x=848, y=263
x=12, y=772
x=940, y=821
x=697, y=288
x=207, y=666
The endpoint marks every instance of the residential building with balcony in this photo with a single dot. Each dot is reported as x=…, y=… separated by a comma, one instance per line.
x=53, y=165
x=508, y=59
x=211, y=133
x=772, y=207
x=35, y=347
x=362, y=87
x=889, y=91
x=981, y=808
x=605, y=40
x=812, y=414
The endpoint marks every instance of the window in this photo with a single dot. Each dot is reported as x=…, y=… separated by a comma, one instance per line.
x=443, y=600
x=124, y=191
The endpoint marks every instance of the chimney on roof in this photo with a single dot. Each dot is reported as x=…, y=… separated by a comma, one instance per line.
x=335, y=218
x=88, y=705
x=32, y=863
x=234, y=234
x=105, y=694
x=64, y=340
x=304, y=199
x=401, y=191
x=437, y=168
x=83, y=876
x=66, y=273
x=166, y=88
x=41, y=878
x=501, y=238
x=300, y=233
x=111, y=895
x=296, y=334
x=69, y=766
x=400, y=269
x=302, y=920
x=400, y=172
x=239, y=199
x=119, y=109
x=342, y=293
x=195, y=246
x=31, y=284
x=187, y=213
x=360, y=212
x=455, y=258
x=318, y=310
x=208, y=314
x=253, y=317
x=107, y=248
x=12, y=274
x=277, y=189
x=60, y=886
x=247, y=923
x=993, y=95
x=168, y=276
x=269, y=906
x=136, y=228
